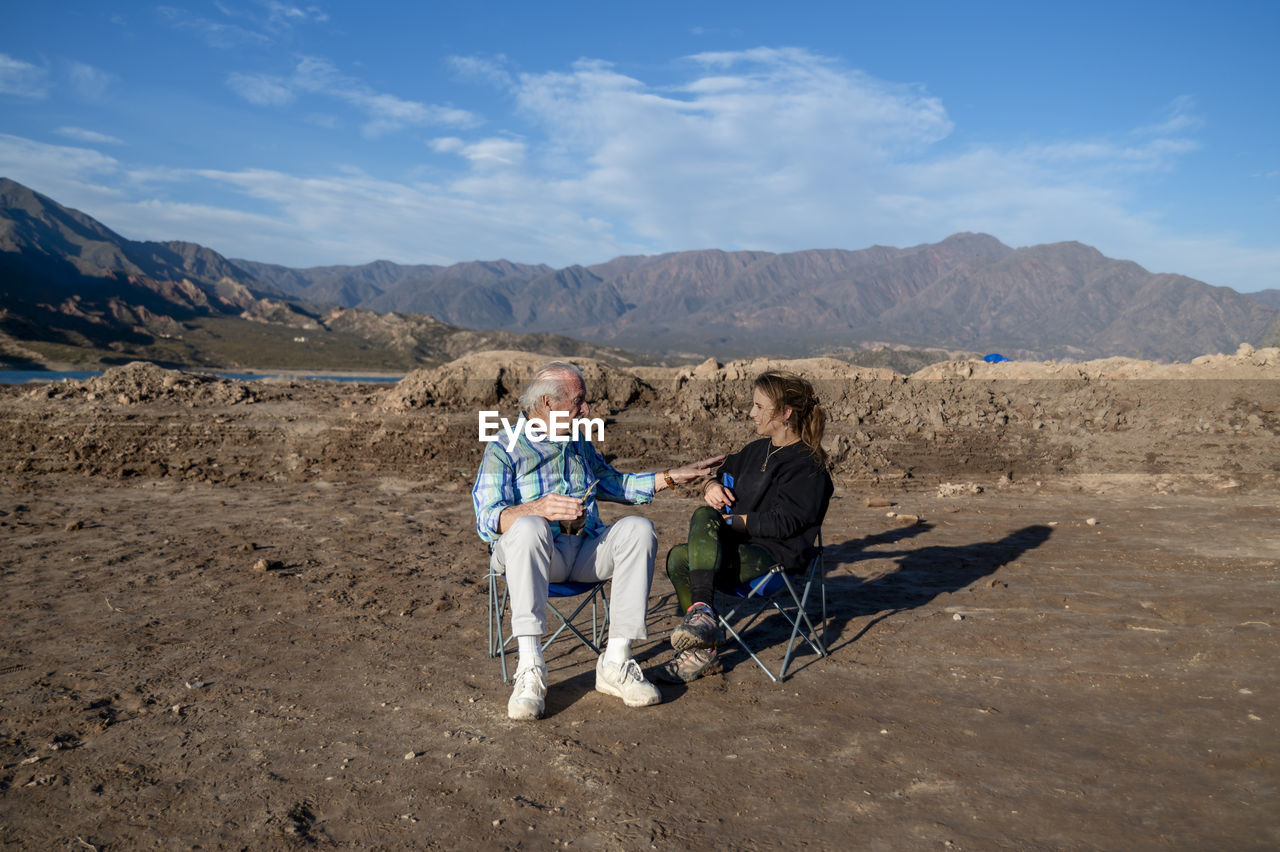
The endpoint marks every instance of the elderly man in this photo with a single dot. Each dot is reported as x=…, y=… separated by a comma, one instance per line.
x=534, y=505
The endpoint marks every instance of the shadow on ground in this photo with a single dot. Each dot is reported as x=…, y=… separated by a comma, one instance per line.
x=922, y=574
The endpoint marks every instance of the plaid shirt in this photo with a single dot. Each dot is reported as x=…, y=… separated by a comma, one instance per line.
x=536, y=468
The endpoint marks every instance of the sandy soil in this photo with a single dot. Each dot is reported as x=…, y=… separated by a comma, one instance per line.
x=253, y=615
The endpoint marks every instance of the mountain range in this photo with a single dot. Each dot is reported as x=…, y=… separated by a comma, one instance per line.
x=72, y=291
x=64, y=272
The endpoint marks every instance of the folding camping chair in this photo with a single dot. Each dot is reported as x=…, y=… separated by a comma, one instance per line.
x=776, y=590
x=593, y=594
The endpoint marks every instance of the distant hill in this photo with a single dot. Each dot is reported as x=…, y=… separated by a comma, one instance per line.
x=74, y=291
x=82, y=284
x=1271, y=298
x=969, y=292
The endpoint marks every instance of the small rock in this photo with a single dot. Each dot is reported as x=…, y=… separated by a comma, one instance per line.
x=957, y=617
x=878, y=502
x=957, y=489
x=73, y=526
x=263, y=565
x=708, y=366
x=907, y=520
x=1093, y=522
x=410, y=755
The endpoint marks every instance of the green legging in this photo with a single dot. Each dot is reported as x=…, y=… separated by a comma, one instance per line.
x=710, y=559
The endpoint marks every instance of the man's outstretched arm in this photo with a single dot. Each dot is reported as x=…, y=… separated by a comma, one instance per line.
x=688, y=472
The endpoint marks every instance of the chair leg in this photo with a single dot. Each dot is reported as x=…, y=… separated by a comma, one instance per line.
x=567, y=624
x=809, y=634
x=802, y=626
x=725, y=623
x=498, y=640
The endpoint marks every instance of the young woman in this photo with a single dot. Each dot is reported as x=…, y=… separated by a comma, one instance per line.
x=764, y=508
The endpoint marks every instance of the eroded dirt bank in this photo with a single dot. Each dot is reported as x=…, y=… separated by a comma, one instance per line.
x=254, y=615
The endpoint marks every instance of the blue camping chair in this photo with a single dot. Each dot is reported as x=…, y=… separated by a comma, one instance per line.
x=593, y=593
x=777, y=591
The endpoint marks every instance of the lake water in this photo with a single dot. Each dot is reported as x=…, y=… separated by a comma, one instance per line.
x=22, y=377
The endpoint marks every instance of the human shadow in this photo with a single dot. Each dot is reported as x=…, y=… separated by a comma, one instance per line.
x=922, y=574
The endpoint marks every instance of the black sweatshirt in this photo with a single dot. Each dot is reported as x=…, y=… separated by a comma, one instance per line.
x=784, y=504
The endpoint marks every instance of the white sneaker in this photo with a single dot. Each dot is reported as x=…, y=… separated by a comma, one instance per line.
x=529, y=697
x=627, y=682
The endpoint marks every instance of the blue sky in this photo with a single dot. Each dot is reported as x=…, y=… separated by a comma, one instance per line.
x=559, y=133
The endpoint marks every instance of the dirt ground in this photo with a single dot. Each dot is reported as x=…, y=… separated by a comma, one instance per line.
x=254, y=616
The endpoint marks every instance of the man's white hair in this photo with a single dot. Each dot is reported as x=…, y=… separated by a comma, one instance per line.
x=549, y=381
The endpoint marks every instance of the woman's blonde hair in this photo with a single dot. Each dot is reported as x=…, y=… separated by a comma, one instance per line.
x=788, y=390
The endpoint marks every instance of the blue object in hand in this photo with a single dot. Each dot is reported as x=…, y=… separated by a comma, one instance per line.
x=728, y=483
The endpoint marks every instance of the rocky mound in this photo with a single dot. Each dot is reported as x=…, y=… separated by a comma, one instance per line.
x=714, y=390
x=498, y=377
x=1246, y=363
x=142, y=382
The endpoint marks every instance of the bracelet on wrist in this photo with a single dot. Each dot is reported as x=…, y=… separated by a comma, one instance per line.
x=671, y=483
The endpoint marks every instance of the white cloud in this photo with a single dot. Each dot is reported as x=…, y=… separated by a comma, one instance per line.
x=89, y=82
x=215, y=33
x=91, y=137
x=24, y=156
x=22, y=78
x=76, y=177
x=283, y=15
x=774, y=149
x=767, y=148
x=272, y=21
x=493, y=71
x=1178, y=117
x=335, y=218
x=384, y=113
x=484, y=154
x=260, y=89
x=446, y=144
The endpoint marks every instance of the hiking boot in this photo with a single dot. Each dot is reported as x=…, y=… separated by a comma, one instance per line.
x=529, y=697
x=627, y=682
x=688, y=665
x=700, y=629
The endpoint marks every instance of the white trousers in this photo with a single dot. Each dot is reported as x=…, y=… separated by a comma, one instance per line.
x=531, y=557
